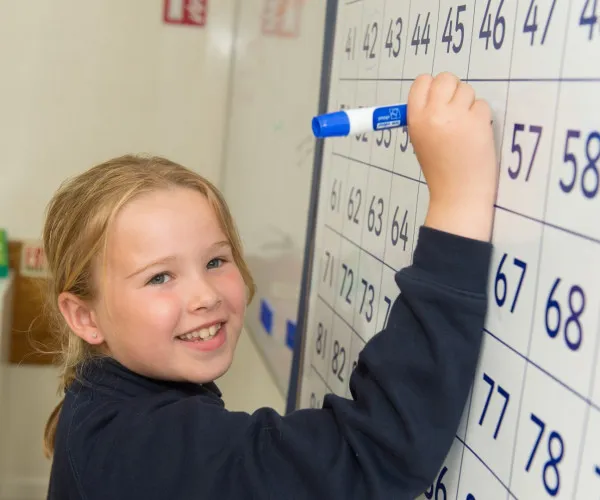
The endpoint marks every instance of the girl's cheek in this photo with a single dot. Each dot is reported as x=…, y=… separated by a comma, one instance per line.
x=233, y=287
x=156, y=308
x=164, y=307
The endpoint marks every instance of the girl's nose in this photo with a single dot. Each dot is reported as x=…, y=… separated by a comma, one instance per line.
x=204, y=296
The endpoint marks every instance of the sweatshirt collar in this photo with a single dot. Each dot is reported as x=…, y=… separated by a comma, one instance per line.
x=108, y=374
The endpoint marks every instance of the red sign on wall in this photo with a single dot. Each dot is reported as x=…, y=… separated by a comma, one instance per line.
x=188, y=12
x=33, y=260
x=282, y=17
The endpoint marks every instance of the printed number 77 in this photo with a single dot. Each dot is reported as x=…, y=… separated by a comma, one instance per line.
x=502, y=393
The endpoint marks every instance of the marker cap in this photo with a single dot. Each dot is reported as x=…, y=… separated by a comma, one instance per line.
x=336, y=124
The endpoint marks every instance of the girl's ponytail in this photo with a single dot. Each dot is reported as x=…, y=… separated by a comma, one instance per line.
x=74, y=351
x=50, y=430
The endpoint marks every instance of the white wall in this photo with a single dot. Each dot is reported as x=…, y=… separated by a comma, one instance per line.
x=82, y=82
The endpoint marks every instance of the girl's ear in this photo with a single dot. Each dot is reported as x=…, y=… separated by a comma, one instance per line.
x=80, y=317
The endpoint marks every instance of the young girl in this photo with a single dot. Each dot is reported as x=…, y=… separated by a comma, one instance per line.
x=150, y=288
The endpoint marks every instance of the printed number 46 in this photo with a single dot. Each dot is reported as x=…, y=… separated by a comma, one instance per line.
x=495, y=29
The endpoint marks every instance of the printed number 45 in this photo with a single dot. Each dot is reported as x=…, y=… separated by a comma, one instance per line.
x=459, y=27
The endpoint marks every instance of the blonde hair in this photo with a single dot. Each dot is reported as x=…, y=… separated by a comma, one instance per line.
x=77, y=222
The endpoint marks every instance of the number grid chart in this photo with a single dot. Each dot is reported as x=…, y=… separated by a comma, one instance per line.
x=531, y=426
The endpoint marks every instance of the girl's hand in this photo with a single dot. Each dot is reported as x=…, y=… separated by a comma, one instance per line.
x=452, y=135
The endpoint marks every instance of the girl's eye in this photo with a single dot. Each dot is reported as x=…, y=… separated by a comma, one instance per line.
x=159, y=279
x=214, y=263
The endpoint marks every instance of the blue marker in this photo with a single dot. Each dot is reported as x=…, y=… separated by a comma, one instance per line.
x=358, y=121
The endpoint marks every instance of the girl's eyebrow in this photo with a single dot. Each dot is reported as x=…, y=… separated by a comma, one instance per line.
x=161, y=261
x=220, y=244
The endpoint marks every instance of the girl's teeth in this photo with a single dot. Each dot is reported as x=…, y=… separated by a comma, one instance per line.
x=204, y=333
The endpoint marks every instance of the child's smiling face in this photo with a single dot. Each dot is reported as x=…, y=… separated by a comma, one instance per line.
x=169, y=272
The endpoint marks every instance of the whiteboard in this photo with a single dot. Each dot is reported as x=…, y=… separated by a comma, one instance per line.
x=531, y=425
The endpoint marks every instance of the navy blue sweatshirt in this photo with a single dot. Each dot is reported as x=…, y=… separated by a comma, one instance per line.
x=122, y=436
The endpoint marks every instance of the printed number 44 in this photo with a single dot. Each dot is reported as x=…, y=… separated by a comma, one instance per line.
x=419, y=38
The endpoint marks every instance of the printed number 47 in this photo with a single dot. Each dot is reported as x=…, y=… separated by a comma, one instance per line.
x=531, y=25
x=491, y=382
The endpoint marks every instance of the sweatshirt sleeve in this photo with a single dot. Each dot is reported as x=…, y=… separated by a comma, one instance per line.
x=409, y=389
